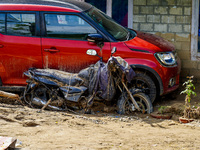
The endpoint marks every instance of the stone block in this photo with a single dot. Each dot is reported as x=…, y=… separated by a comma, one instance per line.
x=189, y=64
x=146, y=27
x=196, y=73
x=160, y=27
x=186, y=46
x=136, y=26
x=152, y=32
x=183, y=55
x=187, y=28
x=153, y=2
x=168, y=2
x=183, y=19
x=178, y=45
x=139, y=18
x=184, y=2
x=198, y=66
x=135, y=10
x=176, y=11
x=161, y=10
x=168, y=19
x=158, y=33
x=182, y=37
x=187, y=11
x=153, y=18
x=146, y=9
x=139, y=2
x=175, y=28
x=168, y=36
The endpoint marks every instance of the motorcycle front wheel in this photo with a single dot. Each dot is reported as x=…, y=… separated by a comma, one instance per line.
x=125, y=105
x=39, y=92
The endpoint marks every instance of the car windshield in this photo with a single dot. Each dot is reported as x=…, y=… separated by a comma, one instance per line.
x=117, y=31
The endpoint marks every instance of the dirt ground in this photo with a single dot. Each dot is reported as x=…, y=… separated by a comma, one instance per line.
x=64, y=130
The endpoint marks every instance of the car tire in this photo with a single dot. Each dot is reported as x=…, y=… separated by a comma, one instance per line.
x=144, y=82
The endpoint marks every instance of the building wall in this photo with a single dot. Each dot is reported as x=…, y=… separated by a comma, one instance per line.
x=170, y=19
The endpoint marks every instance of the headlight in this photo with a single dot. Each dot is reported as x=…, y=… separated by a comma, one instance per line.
x=166, y=58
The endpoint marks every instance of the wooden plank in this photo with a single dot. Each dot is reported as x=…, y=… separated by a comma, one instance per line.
x=9, y=95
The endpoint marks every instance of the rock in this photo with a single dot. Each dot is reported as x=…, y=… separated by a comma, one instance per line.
x=30, y=124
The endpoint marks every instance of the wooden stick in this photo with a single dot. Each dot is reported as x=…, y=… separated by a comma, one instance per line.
x=49, y=101
x=11, y=96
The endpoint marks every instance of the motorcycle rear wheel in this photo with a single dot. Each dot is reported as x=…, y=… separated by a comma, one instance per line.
x=125, y=105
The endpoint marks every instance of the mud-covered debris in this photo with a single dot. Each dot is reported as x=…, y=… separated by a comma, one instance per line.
x=30, y=124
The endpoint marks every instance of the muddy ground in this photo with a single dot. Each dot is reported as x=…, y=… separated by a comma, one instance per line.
x=102, y=130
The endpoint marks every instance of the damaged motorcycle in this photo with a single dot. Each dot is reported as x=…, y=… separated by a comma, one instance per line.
x=58, y=90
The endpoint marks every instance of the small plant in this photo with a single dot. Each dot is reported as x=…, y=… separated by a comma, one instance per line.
x=189, y=91
x=164, y=109
x=161, y=109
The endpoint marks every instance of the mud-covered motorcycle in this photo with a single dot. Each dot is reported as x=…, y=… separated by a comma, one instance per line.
x=59, y=90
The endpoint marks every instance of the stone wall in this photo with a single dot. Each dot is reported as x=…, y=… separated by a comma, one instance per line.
x=170, y=19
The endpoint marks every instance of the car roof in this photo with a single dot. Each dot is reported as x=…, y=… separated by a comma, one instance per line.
x=72, y=4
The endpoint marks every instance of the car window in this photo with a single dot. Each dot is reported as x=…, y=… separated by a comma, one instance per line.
x=2, y=23
x=67, y=26
x=21, y=24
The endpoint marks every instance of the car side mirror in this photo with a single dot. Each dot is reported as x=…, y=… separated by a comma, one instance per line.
x=95, y=38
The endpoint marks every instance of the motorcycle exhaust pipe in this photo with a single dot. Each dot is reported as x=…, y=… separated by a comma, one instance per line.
x=39, y=102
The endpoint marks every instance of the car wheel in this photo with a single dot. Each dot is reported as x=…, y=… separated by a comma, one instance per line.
x=145, y=83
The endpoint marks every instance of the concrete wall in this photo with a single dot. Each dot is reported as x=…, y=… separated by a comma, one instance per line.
x=170, y=19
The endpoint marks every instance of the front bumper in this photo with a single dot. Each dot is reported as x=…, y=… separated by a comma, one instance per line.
x=171, y=74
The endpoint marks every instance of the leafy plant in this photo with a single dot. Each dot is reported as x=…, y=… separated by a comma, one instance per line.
x=189, y=91
x=164, y=109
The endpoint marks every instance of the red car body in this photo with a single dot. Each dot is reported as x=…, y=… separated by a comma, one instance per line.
x=19, y=53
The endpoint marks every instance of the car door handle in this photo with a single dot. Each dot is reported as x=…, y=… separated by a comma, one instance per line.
x=52, y=50
x=1, y=46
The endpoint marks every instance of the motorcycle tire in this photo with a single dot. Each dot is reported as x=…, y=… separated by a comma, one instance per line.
x=125, y=105
x=40, y=92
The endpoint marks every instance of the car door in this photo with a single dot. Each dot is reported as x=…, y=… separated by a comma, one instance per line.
x=20, y=47
x=65, y=43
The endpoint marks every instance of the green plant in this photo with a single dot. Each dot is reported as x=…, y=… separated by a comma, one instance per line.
x=189, y=91
x=164, y=109
x=161, y=109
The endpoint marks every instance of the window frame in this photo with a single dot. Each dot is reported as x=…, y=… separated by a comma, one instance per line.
x=64, y=25
x=37, y=22
x=43, y=24
x=5, y=24
x=195, y=55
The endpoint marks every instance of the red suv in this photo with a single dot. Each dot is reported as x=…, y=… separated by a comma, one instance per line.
x=54, y=34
